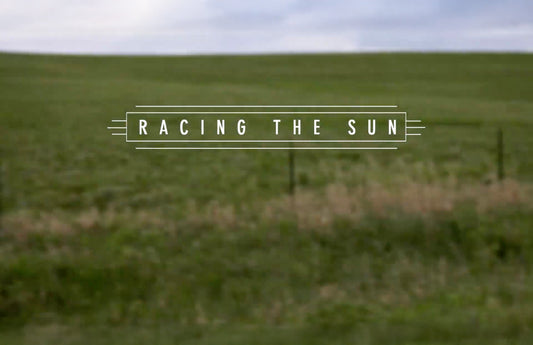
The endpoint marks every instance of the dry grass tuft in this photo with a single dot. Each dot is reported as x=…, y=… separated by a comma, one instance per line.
x=311, y=209
x=318, y=209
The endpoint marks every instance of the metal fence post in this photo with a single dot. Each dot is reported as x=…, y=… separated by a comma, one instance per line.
x=501, y=171
x=292, y=179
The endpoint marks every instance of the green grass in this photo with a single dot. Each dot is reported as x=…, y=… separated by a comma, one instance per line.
x=103, y=244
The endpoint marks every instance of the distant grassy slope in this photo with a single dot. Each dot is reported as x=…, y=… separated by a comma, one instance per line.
x=102, y=243
x=58, y=153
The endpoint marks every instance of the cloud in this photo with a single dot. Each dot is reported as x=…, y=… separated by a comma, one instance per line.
x=217, y=26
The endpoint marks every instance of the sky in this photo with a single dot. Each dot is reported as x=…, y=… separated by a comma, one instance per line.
x=264, y=26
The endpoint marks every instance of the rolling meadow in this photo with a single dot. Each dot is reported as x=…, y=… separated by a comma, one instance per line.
x=104, y=244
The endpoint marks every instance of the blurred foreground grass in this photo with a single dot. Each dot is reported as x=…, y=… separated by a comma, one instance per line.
x=104, y=244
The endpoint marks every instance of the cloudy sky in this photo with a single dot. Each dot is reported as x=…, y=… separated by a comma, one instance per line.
x=248, y=26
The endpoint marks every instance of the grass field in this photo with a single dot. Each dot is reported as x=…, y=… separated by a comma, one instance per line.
x=102, y=244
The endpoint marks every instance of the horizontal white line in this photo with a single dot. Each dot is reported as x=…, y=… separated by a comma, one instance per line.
x=118, y=133
x=266, y=106
x=422, y=127
x=117, y=127
x=266, y=148
x=118, y=120
x=413, y=134
x=264, y=112
x=414, y=120
x=264, y=141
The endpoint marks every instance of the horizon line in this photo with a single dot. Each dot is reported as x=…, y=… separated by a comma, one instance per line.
x=265, y=53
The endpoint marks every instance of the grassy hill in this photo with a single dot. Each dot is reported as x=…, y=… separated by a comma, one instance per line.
x=102, y=243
